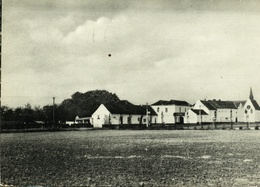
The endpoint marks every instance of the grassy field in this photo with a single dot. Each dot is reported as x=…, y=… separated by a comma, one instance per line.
x=131, y=158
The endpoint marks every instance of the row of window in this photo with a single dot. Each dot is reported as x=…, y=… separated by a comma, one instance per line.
x=128, y=118
x=166, y=109
x=226, y=111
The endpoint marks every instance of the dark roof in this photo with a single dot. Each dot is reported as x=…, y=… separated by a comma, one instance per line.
x=199, y=111
x=237, y=103
x=222, y=104
x=125, y=107
x=124, y=102
x=150, y=109
x=255, y=104
x=172, y=102
x=208, y=105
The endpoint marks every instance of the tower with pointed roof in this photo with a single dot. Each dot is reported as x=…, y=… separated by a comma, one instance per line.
x=251, y=96
x=251, y=109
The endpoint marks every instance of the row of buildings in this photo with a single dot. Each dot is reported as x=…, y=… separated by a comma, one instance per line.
x=176, y=112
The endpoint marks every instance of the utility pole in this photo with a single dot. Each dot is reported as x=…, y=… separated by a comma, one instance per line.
x=53, y=112
x=147, y=115
x=247, y=121
x=231, y=119
x=200, y=118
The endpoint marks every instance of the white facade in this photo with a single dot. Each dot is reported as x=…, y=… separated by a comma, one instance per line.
x=213, y=114
x=191, y=117
x=102, y=116
x=85, y=120
x=204, y=118
x=251, y=115
x=227, y=115
x=241, y=113
x=170, y=114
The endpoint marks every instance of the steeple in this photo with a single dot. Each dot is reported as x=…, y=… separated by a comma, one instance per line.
x=251, y=96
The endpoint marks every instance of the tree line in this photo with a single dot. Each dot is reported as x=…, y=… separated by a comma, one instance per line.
x=80, y=104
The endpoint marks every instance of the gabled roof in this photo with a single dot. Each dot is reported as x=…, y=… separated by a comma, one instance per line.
x=199, y=111
x=172, y=102
x=125, y=107
x=223, y=104
x=150, y=109
x=208, y=105
x=255, y=104
x=237, y=103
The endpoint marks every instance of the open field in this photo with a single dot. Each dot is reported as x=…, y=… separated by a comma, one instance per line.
x=131, y=158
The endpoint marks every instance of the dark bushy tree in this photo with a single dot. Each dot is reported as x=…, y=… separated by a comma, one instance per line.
x=38, y=114
x=80, y=104
x=84, y=104
x=7, y=114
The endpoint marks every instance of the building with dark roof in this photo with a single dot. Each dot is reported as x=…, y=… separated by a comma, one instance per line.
x=251, y=109
x=170, y=112
x=224, y=111
x=171, y=102
x=216, y=111
x=123, y=112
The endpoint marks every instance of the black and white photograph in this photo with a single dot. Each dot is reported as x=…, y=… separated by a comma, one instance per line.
x=111, y=93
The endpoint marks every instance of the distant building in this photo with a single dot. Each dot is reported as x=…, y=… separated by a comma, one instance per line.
x=83, y=120
x=224, y=111
x=251, y=109
x=212, y=111
x=171, y=112
x=123, y=112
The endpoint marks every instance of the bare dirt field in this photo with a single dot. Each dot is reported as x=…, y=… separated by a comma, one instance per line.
x=131, y=158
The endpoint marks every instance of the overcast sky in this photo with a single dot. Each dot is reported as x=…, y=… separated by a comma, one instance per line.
x=175, y=49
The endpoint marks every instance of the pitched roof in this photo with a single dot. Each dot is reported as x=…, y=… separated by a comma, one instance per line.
x=223, y=104
x=237, y=103
x=125, y=107
x=208, y=105
x=257, y=107
x=172, y=102
x=199, y=111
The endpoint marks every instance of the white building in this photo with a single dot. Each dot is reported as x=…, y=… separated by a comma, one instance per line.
x=214, y=111
x=171, y=112
x=224, y=111
x=251, y=110
x=122, y=113
x=83, y=120
x=195, y=116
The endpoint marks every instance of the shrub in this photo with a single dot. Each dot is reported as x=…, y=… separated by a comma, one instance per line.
x=256, y=127
x=240, y=128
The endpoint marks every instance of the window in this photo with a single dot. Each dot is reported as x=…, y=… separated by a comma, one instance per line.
x=251, y=111
x=121, y=119
x=129, y=119
x=166, y=109
x=98, y=117
x=179, y=109
x=158, y=109
x=144, y=120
